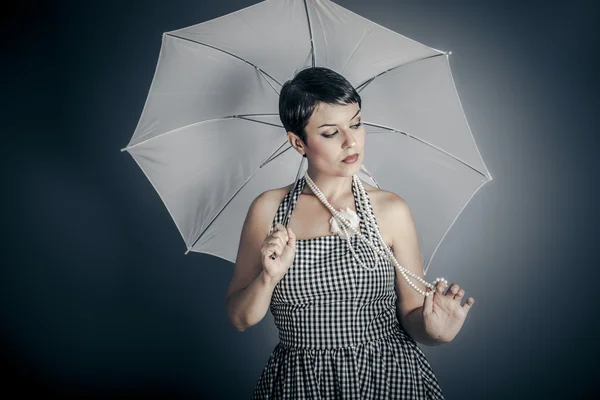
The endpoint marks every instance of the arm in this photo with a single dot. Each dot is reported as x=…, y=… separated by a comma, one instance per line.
x=250, y=290
x=406, y=249
x=248, y=306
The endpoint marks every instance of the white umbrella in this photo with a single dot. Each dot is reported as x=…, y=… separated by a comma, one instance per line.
x=210, y=140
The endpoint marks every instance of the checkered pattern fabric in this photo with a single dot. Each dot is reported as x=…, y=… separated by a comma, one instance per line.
x=339, y=334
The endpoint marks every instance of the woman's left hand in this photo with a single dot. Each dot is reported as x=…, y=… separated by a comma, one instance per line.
x=443, y=314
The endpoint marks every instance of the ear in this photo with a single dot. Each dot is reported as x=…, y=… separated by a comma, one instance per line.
x=296, y=143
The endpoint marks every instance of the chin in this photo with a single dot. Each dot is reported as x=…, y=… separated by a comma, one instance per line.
x=341, y=169
x=352, y=169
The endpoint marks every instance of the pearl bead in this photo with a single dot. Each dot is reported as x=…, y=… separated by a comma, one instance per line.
x=386, y=253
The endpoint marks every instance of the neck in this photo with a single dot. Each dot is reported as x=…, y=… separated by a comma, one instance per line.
x=333, y=187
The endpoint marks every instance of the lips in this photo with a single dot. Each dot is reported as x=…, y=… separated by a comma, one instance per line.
x=353, y=157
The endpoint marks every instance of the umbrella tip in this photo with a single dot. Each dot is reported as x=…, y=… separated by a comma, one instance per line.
x=448, y=53
x=187, y=251
x=123, y=149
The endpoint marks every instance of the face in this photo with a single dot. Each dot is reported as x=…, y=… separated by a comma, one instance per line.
x=333, y=133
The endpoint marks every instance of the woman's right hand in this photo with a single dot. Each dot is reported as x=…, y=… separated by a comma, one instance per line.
x=278, y=252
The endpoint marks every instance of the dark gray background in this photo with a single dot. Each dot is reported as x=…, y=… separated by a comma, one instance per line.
x=98, y=299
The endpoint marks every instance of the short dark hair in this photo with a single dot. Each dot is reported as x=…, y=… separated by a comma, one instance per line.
x=299, y=96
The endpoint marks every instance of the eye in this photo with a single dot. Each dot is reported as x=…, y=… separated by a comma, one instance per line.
x=355, y=126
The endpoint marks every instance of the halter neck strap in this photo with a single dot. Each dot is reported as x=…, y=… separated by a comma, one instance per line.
x=295, y=192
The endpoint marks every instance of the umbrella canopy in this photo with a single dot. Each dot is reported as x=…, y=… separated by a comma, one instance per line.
x=210, y=140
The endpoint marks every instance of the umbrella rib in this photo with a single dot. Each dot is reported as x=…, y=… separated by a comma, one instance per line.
x=261, y=72
x=267, y=160
x=256, y=114
x=286, y=217
x=366, y=33
x=231, y=54
x=276, y=155
x=360, y=87
x=260, y=122
x=312, y=42
x=452, y=224
x=424, y=142
x=241, y=116
x=366, y=171
x=229, y=201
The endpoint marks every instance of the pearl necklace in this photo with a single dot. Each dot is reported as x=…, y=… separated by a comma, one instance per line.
x=387, y=253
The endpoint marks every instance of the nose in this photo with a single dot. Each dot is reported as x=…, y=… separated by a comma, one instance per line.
x=349, y=139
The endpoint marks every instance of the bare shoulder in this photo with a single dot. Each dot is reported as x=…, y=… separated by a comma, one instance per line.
x=392, y=214
x=265, y=205
x=255, y=229
x=387, y=204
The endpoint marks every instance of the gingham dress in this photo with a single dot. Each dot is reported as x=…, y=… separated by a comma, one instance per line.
x=339, y=337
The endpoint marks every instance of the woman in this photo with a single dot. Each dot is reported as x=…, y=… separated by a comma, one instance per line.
x=348, y=314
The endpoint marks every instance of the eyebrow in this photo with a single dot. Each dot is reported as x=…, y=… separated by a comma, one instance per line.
x=335, y=124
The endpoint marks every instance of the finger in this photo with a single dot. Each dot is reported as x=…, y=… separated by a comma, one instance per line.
x=268, y=254
x=440, y=287
x=279, y=227
x=277, y=240
x=467, y=306
x=460, y=294
x=272, y=249
x=281, y=230
x=278, y=250
x=273, y=255
x=453, y=290
x=291, y=238
x=428, y=303
x=283, y=235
